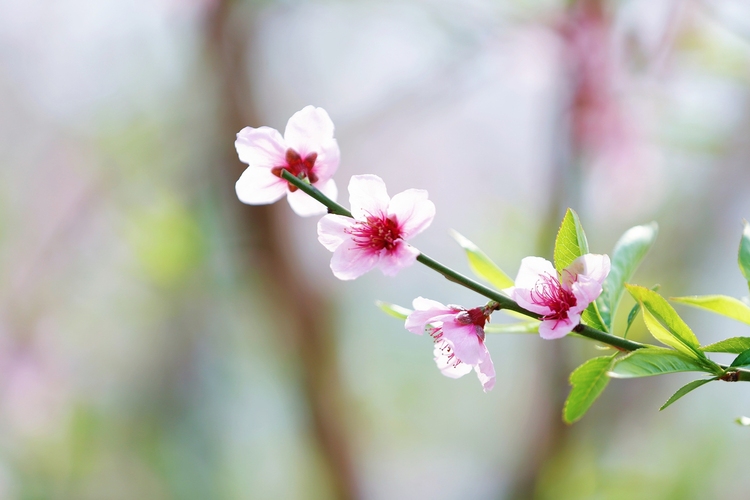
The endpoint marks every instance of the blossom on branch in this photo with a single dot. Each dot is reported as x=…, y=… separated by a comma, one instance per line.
x=560, y=299
x=376, y=235
x=459, y=338
x=307, y=150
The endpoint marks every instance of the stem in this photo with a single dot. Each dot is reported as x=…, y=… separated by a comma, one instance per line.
x=456, y=277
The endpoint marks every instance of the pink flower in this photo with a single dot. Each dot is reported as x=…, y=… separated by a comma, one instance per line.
x=459, y=338
x=377, y=234
x=559, y=299
x=307, y=150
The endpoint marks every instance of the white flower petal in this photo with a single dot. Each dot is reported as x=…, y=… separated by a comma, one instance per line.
x=412, y=210
x=332, y=231
x=261, y=147
x=367, y=196
x=308, y=129
x=258, y=186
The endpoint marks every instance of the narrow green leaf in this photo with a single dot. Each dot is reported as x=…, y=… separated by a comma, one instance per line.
x=525, y=327
x=631, y=317
x=482, y=265
x=720, y=304
x=744, y=253
x=685, y=389
x=589, y=381
x=734, y=345
x=571, y=241
x=664, y=323
x=654, y=361
x=393, y=310
x=742, y=360
x=627, y=255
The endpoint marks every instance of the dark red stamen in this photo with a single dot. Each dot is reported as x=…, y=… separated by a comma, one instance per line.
x=299, y=167
x=549, y=292
x=376, y=233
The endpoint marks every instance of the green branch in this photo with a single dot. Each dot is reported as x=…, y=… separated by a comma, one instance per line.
x=465, y=281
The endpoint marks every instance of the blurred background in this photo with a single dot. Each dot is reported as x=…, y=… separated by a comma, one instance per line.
x=159, y=340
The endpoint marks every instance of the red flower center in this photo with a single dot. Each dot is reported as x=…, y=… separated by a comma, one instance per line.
x=299, y=167
x=549, y=292
x=376, y=233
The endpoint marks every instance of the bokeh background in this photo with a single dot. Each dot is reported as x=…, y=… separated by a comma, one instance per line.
x=159, y=340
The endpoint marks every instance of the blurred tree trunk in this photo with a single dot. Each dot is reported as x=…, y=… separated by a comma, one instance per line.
x=301, y=307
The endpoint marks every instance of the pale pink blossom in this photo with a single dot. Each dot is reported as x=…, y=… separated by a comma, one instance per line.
x=459, y=338
x=307, y=150
x=560, y=299
x=376, y=235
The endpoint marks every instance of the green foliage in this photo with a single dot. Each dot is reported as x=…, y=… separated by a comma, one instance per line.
x=685, y=389
x=744, y=253
x=397, y=312
x=654, y=361
x=742, y=360
x=631, y=317
x=664, y=323
x=482, y=265
x=570, y=244
x=167, y=241
x=627, y=255
x=571, y=241
x=735, y=345
x=720, y=304
x=588, y=380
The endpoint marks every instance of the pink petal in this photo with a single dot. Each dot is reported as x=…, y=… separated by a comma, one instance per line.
x=447, y=365
x=392, y=261
x=530, y=271
x=261, y=147
x=525, y=299
x=554, y=329
x=328, y=160
x=332, y=230
x=588, y=285
x=466, y=344
x=308, y=129
x=486, y=371
x=422, y=304
x=416, y=321
x=367, y=196
x=350, y=262
x=413, y=211
x=258, y=186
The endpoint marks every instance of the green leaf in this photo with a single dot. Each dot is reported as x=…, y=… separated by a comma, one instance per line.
x=525, y=327
x=591, y=317
x=654, y=361
x=720, y=304
x=735, y=345
x=744, y=253
x=570, y=244
x=627, y=255
x=482, y=265
x=631, y=317
x=664, y=323
x=393, y=310
x=685, y=389
x=571, y=241
x=588, y=381
x=742, y=360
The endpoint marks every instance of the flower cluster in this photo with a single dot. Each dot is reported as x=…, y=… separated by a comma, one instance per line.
x=376, y=235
